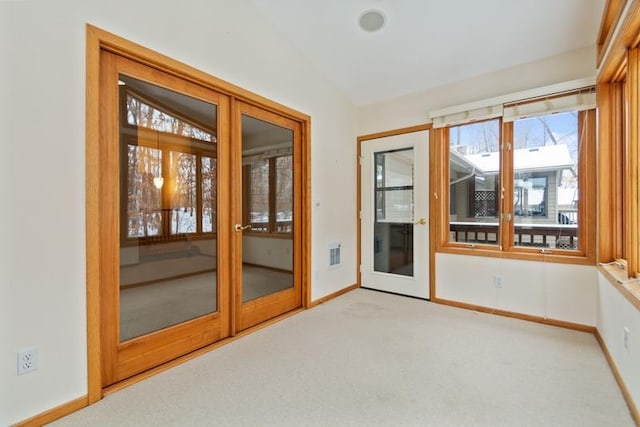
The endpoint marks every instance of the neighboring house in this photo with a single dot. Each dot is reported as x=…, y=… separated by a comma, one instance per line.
x=539, y=197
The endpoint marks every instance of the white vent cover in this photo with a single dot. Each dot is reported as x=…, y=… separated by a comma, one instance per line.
x=334, y=254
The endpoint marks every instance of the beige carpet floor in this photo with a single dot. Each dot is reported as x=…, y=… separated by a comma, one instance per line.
x=374, y=359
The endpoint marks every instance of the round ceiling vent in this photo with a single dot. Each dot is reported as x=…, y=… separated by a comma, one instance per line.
x=372, y=20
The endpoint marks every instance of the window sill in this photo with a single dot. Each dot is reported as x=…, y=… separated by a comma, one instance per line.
x=617, y=276
x=557, y=257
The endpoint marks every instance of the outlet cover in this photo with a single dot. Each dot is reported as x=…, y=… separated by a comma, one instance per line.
x=497, y=282
x=27, y=360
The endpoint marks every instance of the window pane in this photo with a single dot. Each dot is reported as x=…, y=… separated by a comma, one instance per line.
x=208, y=194
x=144, y=203
x=284, y=194
x=545, y=187
x=474, y=168
x=393, y=228
x=394, y=186
x=182, y=173
x=259, y=209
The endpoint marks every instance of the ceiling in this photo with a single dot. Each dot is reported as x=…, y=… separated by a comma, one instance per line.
x=428, y=43
x=255, y=133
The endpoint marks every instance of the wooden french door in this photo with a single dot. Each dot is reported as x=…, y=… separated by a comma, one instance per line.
x=200, y=200
x=267, y=223
x=164, y=289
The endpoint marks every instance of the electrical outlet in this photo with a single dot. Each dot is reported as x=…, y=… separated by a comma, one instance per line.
x=626, y=337
x=27, y=360
x=497, y=282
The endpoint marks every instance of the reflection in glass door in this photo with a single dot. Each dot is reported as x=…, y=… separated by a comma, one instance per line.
x=267, y=209
x=267, y=230
x=164, y=292
x=168, y=210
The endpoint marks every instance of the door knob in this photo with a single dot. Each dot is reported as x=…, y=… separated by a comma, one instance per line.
x=421, y=221
x=239, y=227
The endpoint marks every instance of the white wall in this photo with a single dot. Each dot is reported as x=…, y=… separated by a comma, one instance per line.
x=615, y=313
x=544, y=289
x=414, y=109
x=558, y=291
x=42, y=108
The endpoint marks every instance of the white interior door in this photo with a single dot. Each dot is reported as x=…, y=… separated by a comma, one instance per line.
x=394, y=225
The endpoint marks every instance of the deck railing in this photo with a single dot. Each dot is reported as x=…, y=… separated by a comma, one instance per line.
x=558, y=236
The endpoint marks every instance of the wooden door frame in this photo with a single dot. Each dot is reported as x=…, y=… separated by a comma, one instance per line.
x=96, y=41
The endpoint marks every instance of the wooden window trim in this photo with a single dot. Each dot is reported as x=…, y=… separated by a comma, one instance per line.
x=619, y=204
x=166, y=148
x=612, y=12
x=443, y=243
x=586, y=253
x=610, y=174
x=630, y=225
x=246, y=191
x=618, y=151
x=171, y=142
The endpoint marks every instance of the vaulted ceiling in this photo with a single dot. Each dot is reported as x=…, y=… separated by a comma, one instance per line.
x=428, y=43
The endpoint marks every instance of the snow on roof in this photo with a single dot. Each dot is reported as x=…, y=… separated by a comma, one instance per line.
x=548, y=157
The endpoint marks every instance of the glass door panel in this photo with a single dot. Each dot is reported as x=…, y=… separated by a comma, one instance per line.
x=164, y=293
x=168, y=243
x=393, y=229
x=266, y=231
x=267, y=256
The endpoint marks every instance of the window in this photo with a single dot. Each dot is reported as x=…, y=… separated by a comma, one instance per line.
x=284, y=192
x=208, y=171
x=517, y=179
x=268, y=194
x=144, y=200
x=170, y=187
x=259, y=195
x=474, y=191
x=182, y=177
x=619, y=206
x=394, y=186
x=546, y=181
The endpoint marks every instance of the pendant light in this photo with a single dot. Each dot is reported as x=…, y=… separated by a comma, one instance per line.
x=158, y=181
